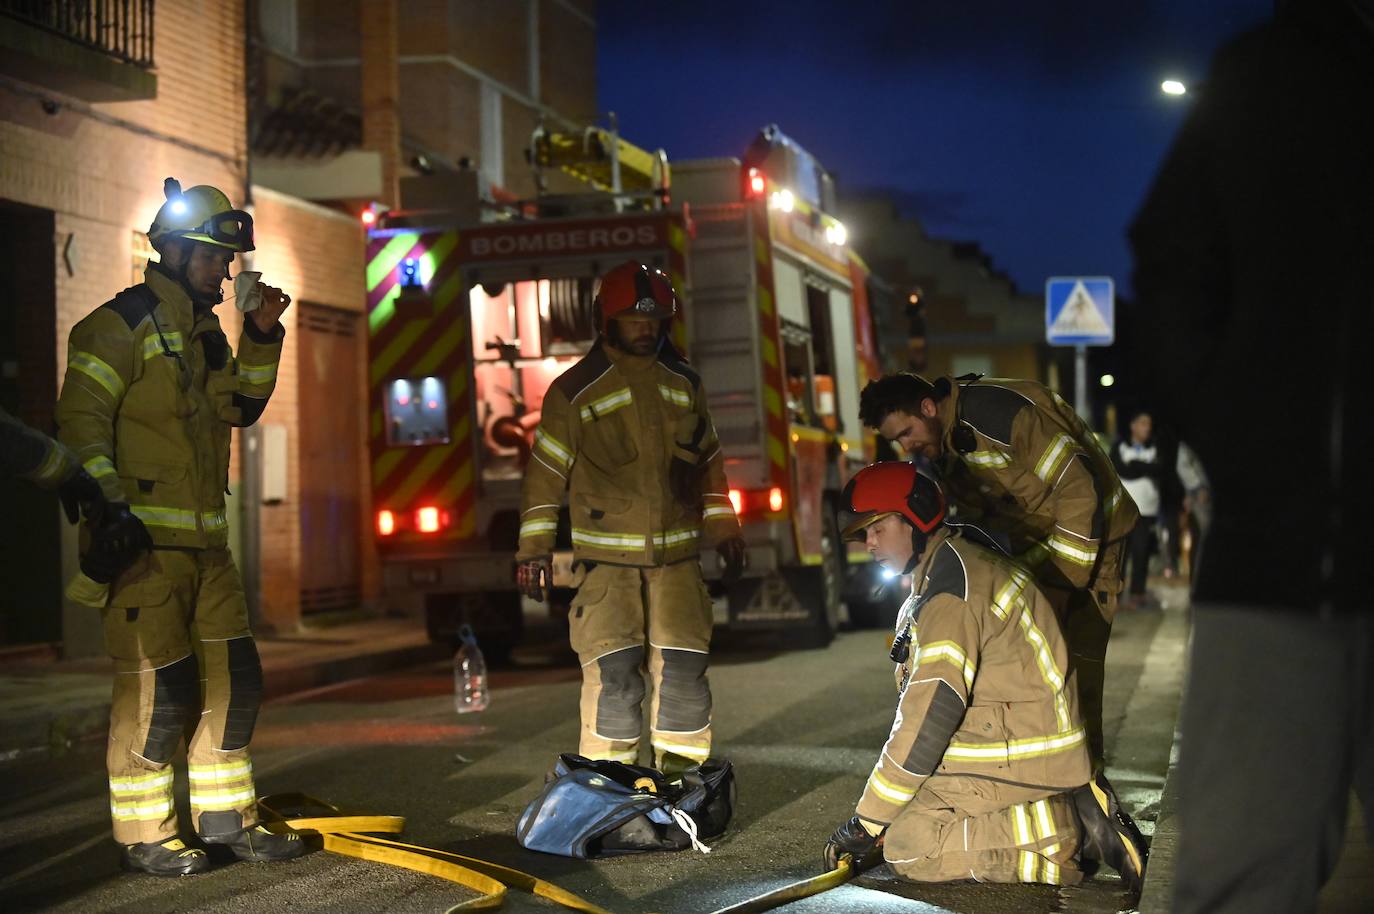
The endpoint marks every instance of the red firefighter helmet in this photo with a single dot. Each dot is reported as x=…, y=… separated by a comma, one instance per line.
x=634, y=290
x=892, y=488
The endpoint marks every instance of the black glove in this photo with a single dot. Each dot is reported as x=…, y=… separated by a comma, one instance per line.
x=533, y=576
x=733, y=559
x=684, y=481
x=80, y=493
x=851, y=840
x=116, y=542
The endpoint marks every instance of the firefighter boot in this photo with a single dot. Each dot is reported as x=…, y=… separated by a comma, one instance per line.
x=165, y=858
x=256, y=844
x=1110, y=835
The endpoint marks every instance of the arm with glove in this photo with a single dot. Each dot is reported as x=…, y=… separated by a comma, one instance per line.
x=556, y=442
x=929, y=713
x=48, y=464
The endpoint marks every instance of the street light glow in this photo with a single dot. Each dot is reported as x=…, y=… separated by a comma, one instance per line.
x=1107, y=380
x=1173, y=87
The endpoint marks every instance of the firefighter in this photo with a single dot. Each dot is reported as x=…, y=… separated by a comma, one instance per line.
x=151, y=394
x=627, y=433
x=32, y=455
x=1016, y=457
x=972, y=779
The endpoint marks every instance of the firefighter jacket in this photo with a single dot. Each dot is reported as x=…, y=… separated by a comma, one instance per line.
x=609, y=429
x=32, y=455
x=1020, y=461
x=985, y=689
x=151, y=394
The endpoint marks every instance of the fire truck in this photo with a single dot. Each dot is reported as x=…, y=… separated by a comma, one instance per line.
x=471, y=319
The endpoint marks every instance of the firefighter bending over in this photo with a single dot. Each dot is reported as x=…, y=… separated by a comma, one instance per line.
x=151, y=394
x=980, y=777
x=627, y=433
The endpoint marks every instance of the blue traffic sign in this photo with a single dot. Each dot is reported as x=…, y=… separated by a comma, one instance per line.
x=1080, y=311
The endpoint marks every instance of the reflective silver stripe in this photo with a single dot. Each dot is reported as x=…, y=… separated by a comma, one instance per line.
x=714, y=511
x=948, y=650
x=553, y=447
x=531, y=527
x=156, y=811
x=152, y=344
x=674, y=537
x=51, y=467
x=142, y=783
x=175, y=518
x=1053, y=458
x=97, y=370
x=993, y=459
x=698, y=753
x=258, y=374
x=1072, y=551
x=222, y=799
x=606, y=405
x=100, y=466
x=1015, y=749
x=589, y=538
x=214, y=520
x=673, y=395
x=893, y=793
x=224, y=772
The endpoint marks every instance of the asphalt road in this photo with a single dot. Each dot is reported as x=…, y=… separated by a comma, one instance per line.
x=803, y=729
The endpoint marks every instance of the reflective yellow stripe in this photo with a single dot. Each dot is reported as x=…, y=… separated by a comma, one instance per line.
x=222, y=799
x=141, y=783
x=97, y=370
x=175, y=518
x=148, y=811
x=554, y=448
x=531, y=527
x=1021, y=826
x=1049, y=671
x=724, y=511
x=606, y=405
x=948, y=650
x=1009, y=596
x=1016, y=749
x=1114, y=500
x=629, y=756
x=1079, y=555
x=100, y=466
x=152, y=344
x=696, y=753
x=214, y=520
x=889, y=791
x=1053, y=459
x=1028, y=865
x=223, y=772
x=673, y=395
x=674, y=537
x=258, y=374
x=52, y=466
x=592, y=538
x=993, y=459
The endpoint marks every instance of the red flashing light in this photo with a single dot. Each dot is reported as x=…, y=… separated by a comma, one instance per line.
x=775, y=500
x=386, y=522
x=369, y=216
x=737, y=501
x=427, y=520
x=756, y=184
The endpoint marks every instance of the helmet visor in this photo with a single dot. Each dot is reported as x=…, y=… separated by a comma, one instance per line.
x=855, y=523
x=233, y=229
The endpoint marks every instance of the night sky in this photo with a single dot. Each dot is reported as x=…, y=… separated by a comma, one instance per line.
x=1032, y=128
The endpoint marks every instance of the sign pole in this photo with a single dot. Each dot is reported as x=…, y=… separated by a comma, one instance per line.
x=1080, y=381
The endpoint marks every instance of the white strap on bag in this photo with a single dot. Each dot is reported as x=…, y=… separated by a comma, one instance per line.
x=685, y=822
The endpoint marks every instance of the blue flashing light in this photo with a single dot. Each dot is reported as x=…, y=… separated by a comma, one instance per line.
x=410, y=272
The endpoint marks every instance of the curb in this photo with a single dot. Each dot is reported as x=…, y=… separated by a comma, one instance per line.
x=54, y=731
x=1155, y=896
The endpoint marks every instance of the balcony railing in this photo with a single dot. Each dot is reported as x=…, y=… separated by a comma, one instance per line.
x=122, y=29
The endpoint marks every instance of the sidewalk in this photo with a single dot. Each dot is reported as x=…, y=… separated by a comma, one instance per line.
x=47, y=705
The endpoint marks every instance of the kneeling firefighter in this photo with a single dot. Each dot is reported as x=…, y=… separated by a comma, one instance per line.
x=986, y=773
x=151, y=393
x=626, y=431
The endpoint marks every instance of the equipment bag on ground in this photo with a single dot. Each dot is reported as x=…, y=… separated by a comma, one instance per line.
x=600, y=808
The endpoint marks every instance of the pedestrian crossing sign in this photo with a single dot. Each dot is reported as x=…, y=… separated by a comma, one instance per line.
x=1080, y=311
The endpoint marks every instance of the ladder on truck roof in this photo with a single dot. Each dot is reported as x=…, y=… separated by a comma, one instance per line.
x=603, y=159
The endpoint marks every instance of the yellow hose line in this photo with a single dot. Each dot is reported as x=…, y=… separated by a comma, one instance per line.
x=342, y=834
x=794, y=892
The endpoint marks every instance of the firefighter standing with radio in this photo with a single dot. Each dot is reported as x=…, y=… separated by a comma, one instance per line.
x=152, y=392
x=627, y=433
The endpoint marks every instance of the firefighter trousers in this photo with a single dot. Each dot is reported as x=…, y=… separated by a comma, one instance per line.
x=186, y=667
x=627, y=621
x=971, y=828
x=1086, y=619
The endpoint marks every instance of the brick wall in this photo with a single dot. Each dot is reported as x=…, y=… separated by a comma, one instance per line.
x=315, y=255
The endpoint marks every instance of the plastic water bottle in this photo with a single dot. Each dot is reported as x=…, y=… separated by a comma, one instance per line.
x=469, y=675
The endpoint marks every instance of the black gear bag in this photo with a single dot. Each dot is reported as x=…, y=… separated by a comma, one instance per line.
x=594, y=808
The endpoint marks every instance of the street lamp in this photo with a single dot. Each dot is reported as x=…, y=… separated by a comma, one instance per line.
x=1107, y=380
x=1173, y=87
